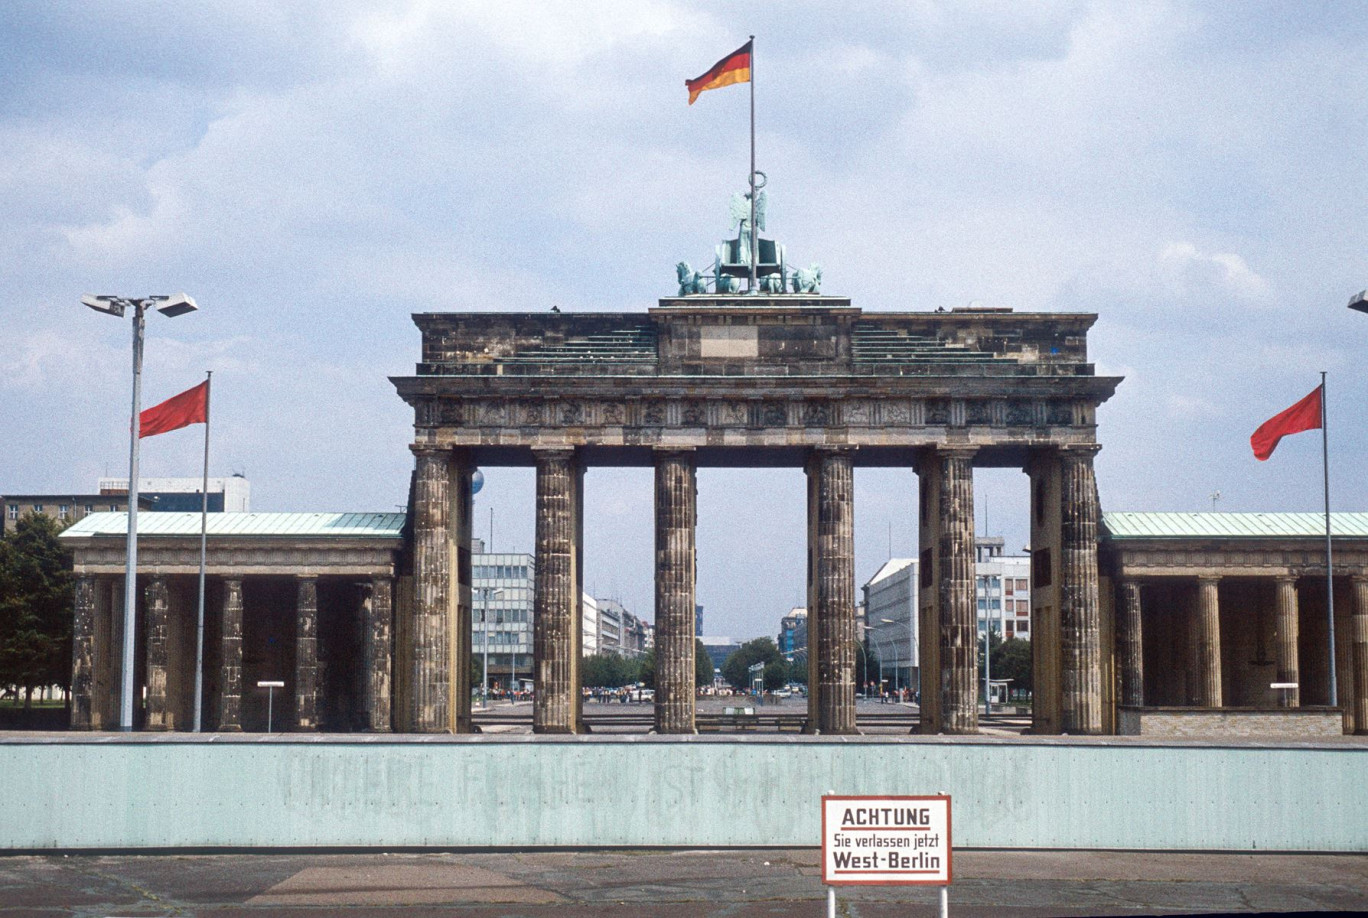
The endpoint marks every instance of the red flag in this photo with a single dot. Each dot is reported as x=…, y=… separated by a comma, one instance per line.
x=190, y=407
x=1305, y=415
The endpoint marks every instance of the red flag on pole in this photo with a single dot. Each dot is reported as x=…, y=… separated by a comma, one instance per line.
x=1305, y=415
x=190, y=407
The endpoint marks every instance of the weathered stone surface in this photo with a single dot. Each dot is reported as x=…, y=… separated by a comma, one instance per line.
x=83, y=654
x=430, y=690
x=675, y=579
x=306, y=654
x=1358, y=657
x=230, y=681
x=158, y=600
x=1206, y=644
x=1287, y=634
x=555, y=703
x=1130, y=645
x=831, y=622
x=1229, y=722
x=957, y=594
x=377, y=614
x=1080, y=623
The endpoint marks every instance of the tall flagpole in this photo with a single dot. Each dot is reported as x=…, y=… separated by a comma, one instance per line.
x=204, y=541
x=754, y=252
x=131, y=559
x=1329, y=567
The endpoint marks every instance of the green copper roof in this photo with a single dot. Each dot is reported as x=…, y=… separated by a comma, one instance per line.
x=260, y=525
x=1132, y=525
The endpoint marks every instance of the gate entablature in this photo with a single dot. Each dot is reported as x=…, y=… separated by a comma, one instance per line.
x=746, y=372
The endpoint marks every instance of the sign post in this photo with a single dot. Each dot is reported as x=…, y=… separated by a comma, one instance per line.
x=886, y=841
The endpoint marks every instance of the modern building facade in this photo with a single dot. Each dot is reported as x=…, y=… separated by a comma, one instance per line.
x=502, y=587
x=231, y=494
x=793, y=635
x=890, y=599
x=1004, y=590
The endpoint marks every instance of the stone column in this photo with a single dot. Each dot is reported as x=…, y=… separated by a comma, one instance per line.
x=230, y=680
x=83, y=654
x=1206, y=643
x=1130, y=646
x=158, y=599
x=676, y=502
x=557, y=602
x=432, y=562
x=831, y=612
x=1288, y=664
x=1080, y=617
x=1358, y=654
x=956, y=594
x=376, y=650
x=306, y=653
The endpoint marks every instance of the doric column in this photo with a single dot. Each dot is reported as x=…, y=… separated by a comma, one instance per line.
x=557, y=614
x=1130, y=646
x=1206, y=643
x=957, y=594
x=158, y=600
x=1358, y=654
x=83, y=654
x=376, y=650
x=675, y=518
x=306, y=653
x=230, y=679
x=1080, y=617
x=432, y=563
x=831, y=592
x=1288, y=665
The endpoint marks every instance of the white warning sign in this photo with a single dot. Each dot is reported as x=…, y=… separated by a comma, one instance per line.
x=886, y=840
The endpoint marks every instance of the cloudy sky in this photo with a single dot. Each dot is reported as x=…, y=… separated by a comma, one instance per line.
x=313, y=173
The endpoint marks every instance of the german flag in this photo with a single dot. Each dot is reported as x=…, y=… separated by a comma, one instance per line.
x=734, y=68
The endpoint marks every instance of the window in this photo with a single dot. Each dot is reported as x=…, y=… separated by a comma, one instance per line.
x=37, y=508
x=14, y=511
x=113, y=508
x=89, y=508
x=63, y=511
x=1023, y=627
x=1021, y=585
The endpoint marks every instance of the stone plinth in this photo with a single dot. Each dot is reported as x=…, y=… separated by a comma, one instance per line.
x=1215, y=723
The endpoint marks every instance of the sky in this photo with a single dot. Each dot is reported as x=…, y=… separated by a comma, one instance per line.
x=315, y=172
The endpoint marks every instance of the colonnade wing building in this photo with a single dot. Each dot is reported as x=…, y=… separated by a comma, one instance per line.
x=367, y=618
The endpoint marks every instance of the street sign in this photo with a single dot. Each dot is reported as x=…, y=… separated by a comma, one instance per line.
x=886, y=840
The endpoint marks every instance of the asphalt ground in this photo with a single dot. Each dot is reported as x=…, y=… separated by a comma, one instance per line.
x=642, y=884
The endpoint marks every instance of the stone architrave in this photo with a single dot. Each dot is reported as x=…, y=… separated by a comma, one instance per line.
x=1289, y=668
x=1080, y=619
x=377, y=612
x=230, y=681
x=1358, y=655
x=675, y=578
x=957, y=593
x=83, y=654
x=1130, y=645
x=158, y=599
x=432, y=562
x=831, y=621
x=1206, y=643
x=555, y=704
x=306, y=654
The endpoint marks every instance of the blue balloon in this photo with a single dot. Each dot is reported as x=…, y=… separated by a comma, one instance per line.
x=476, y=482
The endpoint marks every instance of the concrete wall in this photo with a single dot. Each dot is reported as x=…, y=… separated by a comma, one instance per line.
x=245, y=791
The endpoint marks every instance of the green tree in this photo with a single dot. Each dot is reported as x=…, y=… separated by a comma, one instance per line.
x=646, y=666
x=1012, y=660
x=761, y=650
x=608, y=670
x=36, y=607
x=703, y=665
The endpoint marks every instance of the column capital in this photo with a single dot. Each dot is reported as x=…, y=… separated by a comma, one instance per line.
x=303, y=577
x=1286, y=578
x=1358, y=577
x=668, y=452
x=1080, y=450
x=1209, y=578
x=428, y=450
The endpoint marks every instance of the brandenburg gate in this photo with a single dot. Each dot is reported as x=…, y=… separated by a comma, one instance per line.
x=768, y=380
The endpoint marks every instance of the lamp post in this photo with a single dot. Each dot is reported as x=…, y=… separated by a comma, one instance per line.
x=169, y=306
x=488, y=593
x=889, y=621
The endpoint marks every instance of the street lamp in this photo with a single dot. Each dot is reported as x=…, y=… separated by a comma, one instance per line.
x=169, y=306
x=488, y=593
x=889, y=621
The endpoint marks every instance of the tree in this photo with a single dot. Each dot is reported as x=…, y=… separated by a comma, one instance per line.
x=761, y=650
x=703, y=665
x=37, y=599
x=608, y=670
x=1012, y=660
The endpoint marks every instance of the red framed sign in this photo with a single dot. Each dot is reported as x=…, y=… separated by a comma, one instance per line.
x=886, y=841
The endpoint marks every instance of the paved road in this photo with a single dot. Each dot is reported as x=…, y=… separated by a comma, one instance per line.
x=641, y=884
